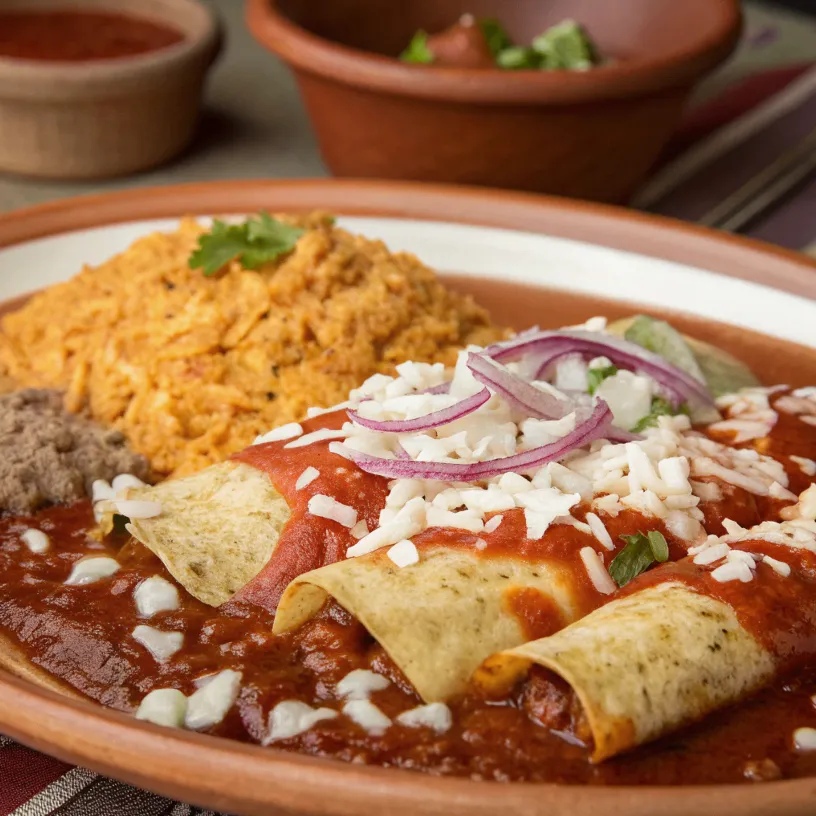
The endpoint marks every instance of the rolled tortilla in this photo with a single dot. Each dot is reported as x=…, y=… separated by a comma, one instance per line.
x=644, y=665
x=439, y=618
x=217, y=529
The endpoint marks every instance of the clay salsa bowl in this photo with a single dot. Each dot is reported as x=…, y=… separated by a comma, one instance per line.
x=511, y=247
x=592, y=134
x=101, y=118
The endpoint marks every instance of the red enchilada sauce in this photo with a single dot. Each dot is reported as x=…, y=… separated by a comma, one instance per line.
x=79, y=35
x=328, y=541
x=83, y=636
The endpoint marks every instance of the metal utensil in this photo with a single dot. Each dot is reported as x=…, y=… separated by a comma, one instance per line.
x=761, y=192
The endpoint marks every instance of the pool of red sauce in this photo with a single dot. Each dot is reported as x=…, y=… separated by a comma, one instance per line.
x=79, y=35
x=82, y=635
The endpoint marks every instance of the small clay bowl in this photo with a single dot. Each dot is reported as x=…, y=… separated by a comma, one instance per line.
x=592, y=134
x=108, y=117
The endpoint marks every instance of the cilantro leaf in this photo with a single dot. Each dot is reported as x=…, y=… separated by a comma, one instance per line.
x=722, y=372
x=517, y=58
x=659, y=545
x=595, y=376
x=254, y=242
x=640, y=552
x=660, y=407
x=566, y=47
x=495, y=34
x=417, y=50
x=268, y=239
x=222, y=244
x=663, y=339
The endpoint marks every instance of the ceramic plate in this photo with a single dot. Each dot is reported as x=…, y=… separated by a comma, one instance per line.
x=530, y=260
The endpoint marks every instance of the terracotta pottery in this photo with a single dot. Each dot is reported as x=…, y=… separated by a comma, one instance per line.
x=592, y=134
x=244, y=779
x=106, y=117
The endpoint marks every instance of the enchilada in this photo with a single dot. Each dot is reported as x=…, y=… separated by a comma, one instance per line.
x=445, y=518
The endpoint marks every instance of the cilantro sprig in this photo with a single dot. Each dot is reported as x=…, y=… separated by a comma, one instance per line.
x=254, y=243
x=417, y=50
x=562, y=47
x=495, y=35
x=640, y=552
x=595, y=376
x=660, y=407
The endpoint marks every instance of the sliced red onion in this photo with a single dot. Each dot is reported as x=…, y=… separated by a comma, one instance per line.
x=442, y=388
x=516, y=390
x=594, y=427
x=615, y=434
x=547, y=347
x=433, y=420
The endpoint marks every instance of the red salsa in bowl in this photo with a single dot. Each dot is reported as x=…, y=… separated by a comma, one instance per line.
x=81, y=35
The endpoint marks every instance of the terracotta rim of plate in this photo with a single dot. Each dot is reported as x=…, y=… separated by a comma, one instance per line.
x=587, y=222
x=365, y=69
x=226, y=775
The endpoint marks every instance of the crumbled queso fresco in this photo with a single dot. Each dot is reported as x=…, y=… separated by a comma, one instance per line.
x=656, y=472
x=463, y=446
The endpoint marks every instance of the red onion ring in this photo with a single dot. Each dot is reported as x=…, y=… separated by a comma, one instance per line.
x=619, y=435
x=442, y=388
x=517, y=391
x=546, y=347
x=433, y=420
x=594, y=427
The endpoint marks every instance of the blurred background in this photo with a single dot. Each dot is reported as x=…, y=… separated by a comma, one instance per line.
x=253, y=124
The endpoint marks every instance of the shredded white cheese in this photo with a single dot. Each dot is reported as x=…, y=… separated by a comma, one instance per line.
x=804, y=739
x=779, y=567
x=101, y=490
x=155, y=594
x=599, y=531
x=329, y=508
x=492, y=524
x=137, y=509
x=360, y=684
x=408, y=522
x=706, y=491
x=321, y=435
x=122, y=482
x=776, y=491
x=404, y=553
x=596, y=571
x=89, y=570
x=436, y=716
x=36, y=540
x=162, y=645
x=307, y=477
x=365, y=714
x=733, y=571
x=210, y=703
x=279, y=434
x=807, y=466
x=658, y=474
x=290, y=718
x=360, y=529
x=163, y=707
x=711, y=554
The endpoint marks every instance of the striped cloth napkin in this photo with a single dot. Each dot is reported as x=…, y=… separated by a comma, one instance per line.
x=33, y=784
x=722, y=143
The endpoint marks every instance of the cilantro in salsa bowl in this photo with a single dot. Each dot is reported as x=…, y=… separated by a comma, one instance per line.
x=484, y=43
